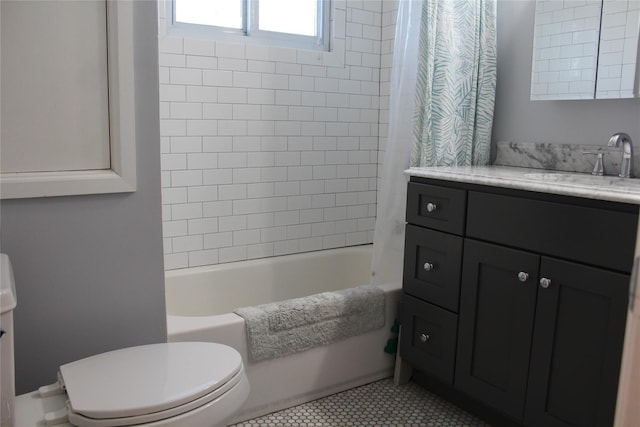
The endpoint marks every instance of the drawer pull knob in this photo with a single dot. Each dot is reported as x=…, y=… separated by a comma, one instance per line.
x=523, y=276
x=424, y=337
x=428, y=266
x=544, y=282
x=431, y=207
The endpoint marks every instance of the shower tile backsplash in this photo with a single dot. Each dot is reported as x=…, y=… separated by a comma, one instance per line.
x=270, y=151
x=560, y=157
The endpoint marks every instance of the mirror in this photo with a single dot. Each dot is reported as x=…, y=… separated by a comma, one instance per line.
x=585, y=49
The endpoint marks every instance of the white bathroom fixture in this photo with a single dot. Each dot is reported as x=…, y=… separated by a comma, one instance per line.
x=7, y=304
x=160, y=384
x=167, y=384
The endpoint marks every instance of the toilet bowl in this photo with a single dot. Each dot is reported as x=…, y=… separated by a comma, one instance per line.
x=169, y=384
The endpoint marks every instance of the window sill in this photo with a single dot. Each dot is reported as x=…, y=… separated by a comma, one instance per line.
x=215, y=34
x=49, y=184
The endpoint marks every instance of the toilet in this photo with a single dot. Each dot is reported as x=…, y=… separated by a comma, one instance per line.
x=168, y=384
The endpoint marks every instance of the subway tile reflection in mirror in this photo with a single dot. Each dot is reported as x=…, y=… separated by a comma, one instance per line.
x=585, y=49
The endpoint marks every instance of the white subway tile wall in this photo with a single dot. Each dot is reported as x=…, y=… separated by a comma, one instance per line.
x=387, y=34
x=269, y=151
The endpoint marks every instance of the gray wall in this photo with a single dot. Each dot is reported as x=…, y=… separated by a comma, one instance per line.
x=518, y=119
x=89, y=269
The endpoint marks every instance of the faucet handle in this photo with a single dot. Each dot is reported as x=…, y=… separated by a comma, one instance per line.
x=598, y=168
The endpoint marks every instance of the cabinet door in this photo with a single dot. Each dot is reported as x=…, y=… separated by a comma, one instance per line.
x=577, y=346
x=497, y=307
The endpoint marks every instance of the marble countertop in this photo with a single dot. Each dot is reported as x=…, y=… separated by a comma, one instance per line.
x=611, y=188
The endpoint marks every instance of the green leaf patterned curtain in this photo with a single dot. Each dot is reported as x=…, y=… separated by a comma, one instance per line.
x=456, y=81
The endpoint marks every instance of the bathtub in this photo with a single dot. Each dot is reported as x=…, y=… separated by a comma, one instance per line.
x=200, y=302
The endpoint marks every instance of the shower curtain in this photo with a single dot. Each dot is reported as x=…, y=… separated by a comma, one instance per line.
x=441, y=107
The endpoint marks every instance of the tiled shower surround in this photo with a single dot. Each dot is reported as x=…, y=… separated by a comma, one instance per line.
x=268, y=150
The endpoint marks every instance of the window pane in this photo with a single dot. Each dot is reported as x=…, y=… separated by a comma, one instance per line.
x=289, y=16
x=220, y=13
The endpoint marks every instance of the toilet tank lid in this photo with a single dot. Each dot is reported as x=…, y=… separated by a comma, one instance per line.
x=8, y=298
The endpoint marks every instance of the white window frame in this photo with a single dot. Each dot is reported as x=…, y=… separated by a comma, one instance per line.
x=121, y=177
x=251, y=33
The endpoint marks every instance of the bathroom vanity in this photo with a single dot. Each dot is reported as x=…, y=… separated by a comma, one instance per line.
x=516, y=288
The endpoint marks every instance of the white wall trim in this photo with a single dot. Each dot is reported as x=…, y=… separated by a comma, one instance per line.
x=122, y=176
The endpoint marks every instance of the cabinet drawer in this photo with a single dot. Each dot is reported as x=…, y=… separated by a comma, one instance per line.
x=596, y=236
x=436, y=207
x=432, y=265
x=428, y=339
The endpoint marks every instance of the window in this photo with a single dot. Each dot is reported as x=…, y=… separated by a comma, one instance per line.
x=295, y=23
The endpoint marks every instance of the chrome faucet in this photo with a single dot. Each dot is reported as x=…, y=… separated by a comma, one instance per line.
x=626, y=168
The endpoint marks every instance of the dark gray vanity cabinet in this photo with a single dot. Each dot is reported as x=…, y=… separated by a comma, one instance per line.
x=536, y=302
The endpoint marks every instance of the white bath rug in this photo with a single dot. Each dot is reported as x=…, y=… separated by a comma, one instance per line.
x=299, y=324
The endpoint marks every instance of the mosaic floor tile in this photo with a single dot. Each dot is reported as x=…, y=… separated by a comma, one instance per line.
x=376, y=404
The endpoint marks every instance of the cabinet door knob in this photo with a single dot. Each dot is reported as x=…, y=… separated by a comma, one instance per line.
x=428, y=266
x=544, y=282
x=431, y=207
x=523, y=276
x=424, y=337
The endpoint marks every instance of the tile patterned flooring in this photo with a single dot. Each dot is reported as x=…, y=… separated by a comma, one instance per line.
x=376, y=404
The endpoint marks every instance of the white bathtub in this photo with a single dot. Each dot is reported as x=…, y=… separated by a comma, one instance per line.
x=200, y=302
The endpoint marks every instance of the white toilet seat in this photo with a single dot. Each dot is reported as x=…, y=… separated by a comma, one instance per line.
x=152, y=384
x=80, y=420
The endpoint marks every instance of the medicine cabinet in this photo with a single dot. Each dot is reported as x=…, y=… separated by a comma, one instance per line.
x=585, y=49
x=68, y=101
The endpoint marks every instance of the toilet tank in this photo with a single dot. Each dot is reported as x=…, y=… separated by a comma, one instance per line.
x=7, y=379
